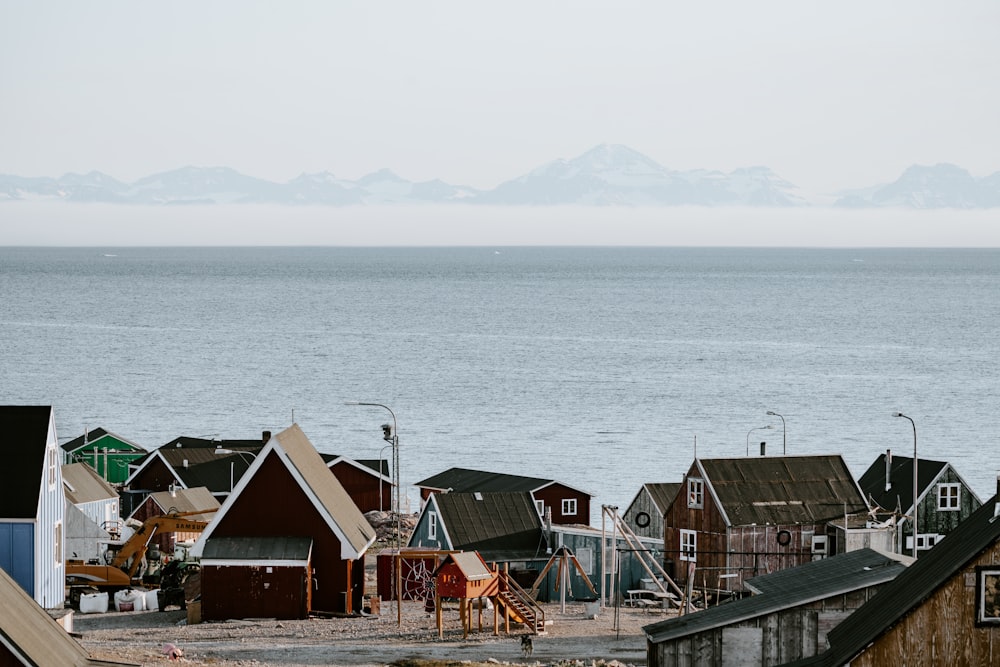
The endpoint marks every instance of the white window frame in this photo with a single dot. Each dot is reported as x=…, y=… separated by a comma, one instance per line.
x=689, y=545
x=949, y=498
x=432, y=525
x=696, y=492
x=925, y=541
x=58, y=542
x=540, y=508
x=569, y=506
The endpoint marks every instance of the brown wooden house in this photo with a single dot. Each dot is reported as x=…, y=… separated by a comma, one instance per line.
x=566, y=504
x=943, y=610
x=645, y=513
x=289, y=492
x=366, y=481
x=738, y=518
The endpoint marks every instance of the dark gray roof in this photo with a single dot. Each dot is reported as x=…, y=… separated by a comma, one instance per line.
x=662, y=493
x=464, y=480
x=912, y=587
x=258, y=548
x=816, y=580
x=26, y=435
x=94, y=435
x=900, y=492
x=377, y=465
x=783, y=490
x=498, y=525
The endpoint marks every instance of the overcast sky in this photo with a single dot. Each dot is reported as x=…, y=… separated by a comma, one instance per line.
x=829, y=95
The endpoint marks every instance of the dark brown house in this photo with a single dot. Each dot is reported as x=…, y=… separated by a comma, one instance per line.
x=162, y=503
x=566, y=504
x=645, y=513
x=737, y=518
x=366, y=481
x=288, y=492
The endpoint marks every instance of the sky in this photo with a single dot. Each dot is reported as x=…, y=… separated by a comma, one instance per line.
x=828, y=95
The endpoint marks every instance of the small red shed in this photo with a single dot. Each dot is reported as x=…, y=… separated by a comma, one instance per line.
x=464, y=575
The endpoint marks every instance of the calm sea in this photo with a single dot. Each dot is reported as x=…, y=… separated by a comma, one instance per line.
x=601, y=367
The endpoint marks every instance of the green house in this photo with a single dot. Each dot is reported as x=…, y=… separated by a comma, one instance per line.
x=107, y=453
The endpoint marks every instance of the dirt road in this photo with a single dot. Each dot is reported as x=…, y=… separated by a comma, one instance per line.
x=139, y=637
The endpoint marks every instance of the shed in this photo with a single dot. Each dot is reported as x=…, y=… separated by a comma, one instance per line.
x=646, y=511
x=92, y=495
x=289, y=492
x=463, y=575
x=788, y=619
x=253, y=577
x=33, y=505
x=366, y=481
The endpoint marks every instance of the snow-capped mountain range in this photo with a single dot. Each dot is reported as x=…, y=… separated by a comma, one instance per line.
x=606, y=175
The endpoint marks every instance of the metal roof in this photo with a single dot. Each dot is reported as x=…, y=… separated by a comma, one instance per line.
x=258, y=548
x=464, y=480
x=26, y=434
x=499, y=525
x=471, y=564
x=793, y=587
x=662, y=493
x=36, y=635
x=912, y=587
x=783, y=490
x=187, y=500
x=900, y=491
x=90, y=437
x=83, y=484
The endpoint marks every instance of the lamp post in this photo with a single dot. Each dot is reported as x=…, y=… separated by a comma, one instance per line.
x=756, y=428
x=913, y=424
x=392, y=437
x=381, y=452
x=784, y=433
x=222, y=451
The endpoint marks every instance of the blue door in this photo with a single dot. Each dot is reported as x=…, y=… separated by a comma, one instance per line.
x=17, y=554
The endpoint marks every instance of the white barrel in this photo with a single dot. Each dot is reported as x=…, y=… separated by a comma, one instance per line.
x=93, y=603
x=130, y=600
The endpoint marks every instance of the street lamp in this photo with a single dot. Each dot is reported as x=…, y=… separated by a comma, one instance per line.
x=381, y=453
x=784, y=436
x=900, y=414
x=221, y=451
x=390, y=435
x=756, y=428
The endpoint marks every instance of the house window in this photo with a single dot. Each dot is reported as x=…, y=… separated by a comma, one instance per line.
x=53, y=462
x=540, y=507
x=987, y=595
x=949, y=497
x=569, y=506
x=689, y=545
x=925, y=541
x=585, y=557
x=696, y=493
x=432, y=525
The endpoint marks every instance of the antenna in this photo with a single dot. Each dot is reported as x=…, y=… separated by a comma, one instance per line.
x=696, y=445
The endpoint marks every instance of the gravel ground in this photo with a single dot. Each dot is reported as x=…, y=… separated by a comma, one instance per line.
x=139, y=637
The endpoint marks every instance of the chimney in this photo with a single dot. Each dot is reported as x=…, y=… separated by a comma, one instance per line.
x=763, y=447
x=265, y=437
x=888, y=469
x=185, y=463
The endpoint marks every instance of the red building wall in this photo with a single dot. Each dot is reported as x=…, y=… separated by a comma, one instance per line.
x=273, y=505
x=363, y=487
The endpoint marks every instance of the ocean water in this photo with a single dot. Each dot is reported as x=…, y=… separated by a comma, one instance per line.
x=603, y=368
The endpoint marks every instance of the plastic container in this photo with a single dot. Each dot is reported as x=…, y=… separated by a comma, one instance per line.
x=152, y=601
x=93, y=603
x=130, y=600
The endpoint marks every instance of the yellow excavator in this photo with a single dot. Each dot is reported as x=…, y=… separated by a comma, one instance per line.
x=122, y=567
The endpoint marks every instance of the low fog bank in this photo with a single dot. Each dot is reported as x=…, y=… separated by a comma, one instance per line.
x=58, y=224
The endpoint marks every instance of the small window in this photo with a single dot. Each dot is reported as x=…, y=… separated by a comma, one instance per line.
x=53, y=462
x=696, y=493
x=819, y=545
x=925, y=541
x=585, y=557
x=949, y=497
x=540, y=507
x=569, y=506
x=58, y=544
x=432, y=525
x=689, y=545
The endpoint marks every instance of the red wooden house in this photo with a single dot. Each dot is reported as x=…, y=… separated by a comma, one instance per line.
x=738, y=518
x=287, y=492
x=366, y=481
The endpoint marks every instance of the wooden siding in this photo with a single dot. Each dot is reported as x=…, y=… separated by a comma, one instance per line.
x=109, y=456
x=764, y=641
x=643, y=503
x=363, y=487
x=274, y=505
x=921, y=638
x=155, y=476
x=552, y=497
x=50, y=571
x=254, y=591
